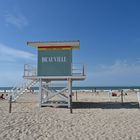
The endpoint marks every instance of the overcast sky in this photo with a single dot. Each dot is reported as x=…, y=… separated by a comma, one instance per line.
x=108, y=30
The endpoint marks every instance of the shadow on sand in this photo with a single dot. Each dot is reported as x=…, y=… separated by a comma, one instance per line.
x=104, y=105
x=95, y=105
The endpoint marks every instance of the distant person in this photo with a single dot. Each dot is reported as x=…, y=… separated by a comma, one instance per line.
x=2, y=96
x=114, y=94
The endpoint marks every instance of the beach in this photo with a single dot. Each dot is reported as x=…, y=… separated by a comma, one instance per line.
x=96, y=116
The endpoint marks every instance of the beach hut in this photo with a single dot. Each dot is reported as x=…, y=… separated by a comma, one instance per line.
x=54, y=64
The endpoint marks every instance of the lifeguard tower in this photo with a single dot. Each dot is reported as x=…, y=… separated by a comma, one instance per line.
x=54, y=65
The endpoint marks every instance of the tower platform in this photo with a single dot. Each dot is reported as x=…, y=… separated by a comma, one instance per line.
x=46, y=89
x=78, y=73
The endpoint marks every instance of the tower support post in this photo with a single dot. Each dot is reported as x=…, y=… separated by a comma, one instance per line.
x=40, y=92
x=70, y=95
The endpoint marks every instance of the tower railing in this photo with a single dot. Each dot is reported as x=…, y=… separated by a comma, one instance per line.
x=30, y=70
x=78, y=69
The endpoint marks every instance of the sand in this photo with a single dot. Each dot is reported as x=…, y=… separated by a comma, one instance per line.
x=93, y=118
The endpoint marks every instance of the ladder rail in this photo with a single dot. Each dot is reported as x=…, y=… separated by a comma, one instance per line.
x=19, y=90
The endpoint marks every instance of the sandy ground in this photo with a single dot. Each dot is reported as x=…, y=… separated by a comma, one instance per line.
x=95, y=117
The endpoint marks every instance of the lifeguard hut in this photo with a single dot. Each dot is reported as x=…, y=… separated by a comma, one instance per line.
x=54, y=64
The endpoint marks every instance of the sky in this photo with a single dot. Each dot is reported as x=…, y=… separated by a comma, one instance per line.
x=108, y=30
